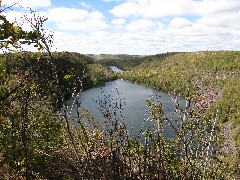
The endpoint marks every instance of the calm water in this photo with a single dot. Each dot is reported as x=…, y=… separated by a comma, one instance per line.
x=115, y=69
x=127, y=102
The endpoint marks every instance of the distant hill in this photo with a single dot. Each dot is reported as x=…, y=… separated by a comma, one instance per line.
x=97, y=57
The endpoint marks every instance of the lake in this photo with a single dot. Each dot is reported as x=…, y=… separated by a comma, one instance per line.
x=126, y=101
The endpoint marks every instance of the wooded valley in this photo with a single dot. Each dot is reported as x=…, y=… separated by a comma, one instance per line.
x=40, y=139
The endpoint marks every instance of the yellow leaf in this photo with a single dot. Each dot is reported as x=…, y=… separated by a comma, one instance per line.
x=41, y=48
x=67, y=76
x=16, y=29
x=14, y=50
x=6, y=44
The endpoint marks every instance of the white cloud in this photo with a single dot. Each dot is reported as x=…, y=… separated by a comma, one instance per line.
x=180, y=22
x=34, y=4
x=13, y=16
x=152, y=8
x=146, y=26
x=112, y=0
x=77, y=19
x=192, y=38
x=140, y=25
x=119, y=21
x=163, y=8
x=210, y=7
x=160, y=38
x=85, y=5
x=19, y=18
x=227, y=20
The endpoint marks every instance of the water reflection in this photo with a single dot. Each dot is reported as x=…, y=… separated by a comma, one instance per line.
x=115, y=69
x=127, y=101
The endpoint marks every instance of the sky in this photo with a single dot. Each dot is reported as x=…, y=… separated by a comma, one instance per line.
x=140, y=27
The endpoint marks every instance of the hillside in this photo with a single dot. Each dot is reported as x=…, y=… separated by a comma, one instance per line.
x=120, y=60
x=176, y=72
x=39, y=142
x=47, y=133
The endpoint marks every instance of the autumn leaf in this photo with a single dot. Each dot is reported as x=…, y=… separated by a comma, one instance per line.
x=6, y=44
x=67, y=76
x=16, y=29
x=41, y=48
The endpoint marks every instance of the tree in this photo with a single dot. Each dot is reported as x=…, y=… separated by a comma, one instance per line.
x=30, y=131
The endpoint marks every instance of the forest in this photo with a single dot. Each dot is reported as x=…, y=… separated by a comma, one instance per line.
x=176, y=72
x=40, y=139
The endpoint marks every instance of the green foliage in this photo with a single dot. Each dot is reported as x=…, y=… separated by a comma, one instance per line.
x=66, y=72
x=175, y=71
x=99, y=74
x=119, y=60
x=43, y=132
x=12, y=36
x=2, y=68
x=108, y=151
x=41, y=139
x=126, y=62
x=31, y=132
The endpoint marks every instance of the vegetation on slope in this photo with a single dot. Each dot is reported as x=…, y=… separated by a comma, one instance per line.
x=99, y=74
x=73, y=70
x=38, y=140
x=175, y=72
x=121, y=61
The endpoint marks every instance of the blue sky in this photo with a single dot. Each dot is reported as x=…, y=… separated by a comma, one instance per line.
x=138, y=26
